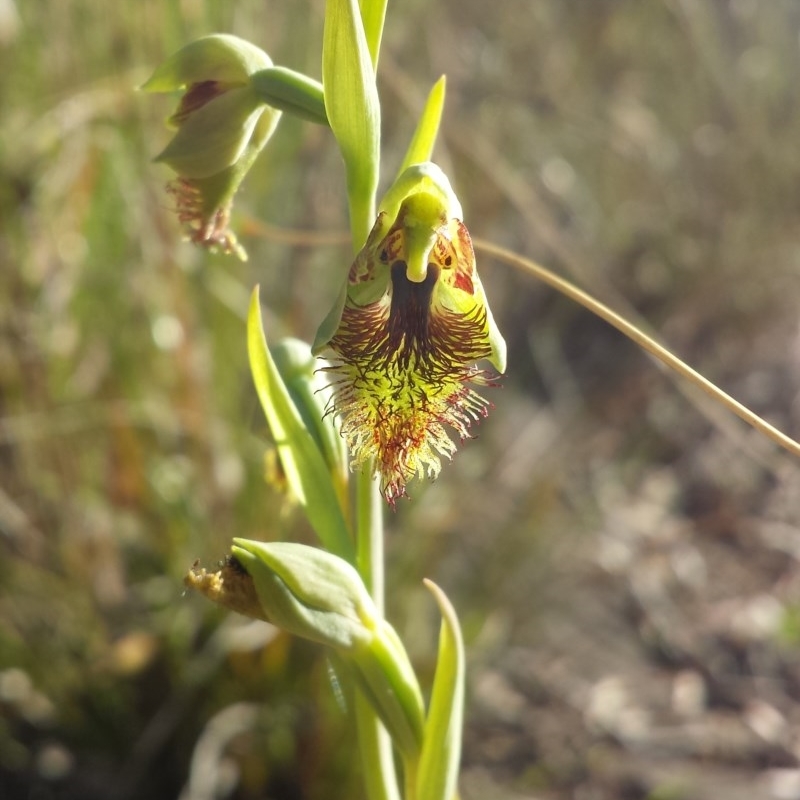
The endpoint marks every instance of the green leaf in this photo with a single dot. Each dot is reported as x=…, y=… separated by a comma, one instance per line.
x=441, y=747
x=353, y=108
x=292, y=92
x=424, y=139
x=373, y=14
x=385, y=674
x=311, y=393
x=305, y=468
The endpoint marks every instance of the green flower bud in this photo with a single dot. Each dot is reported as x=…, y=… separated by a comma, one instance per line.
x=318, y=596
x=309, y=592
x=222, y=124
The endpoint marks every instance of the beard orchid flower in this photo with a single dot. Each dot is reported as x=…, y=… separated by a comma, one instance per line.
x=404, y=338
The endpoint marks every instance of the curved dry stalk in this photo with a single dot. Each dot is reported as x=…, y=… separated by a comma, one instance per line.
x=295, y=237
x=640, y=338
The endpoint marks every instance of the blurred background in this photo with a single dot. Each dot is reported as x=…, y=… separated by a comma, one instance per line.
x=623, y=554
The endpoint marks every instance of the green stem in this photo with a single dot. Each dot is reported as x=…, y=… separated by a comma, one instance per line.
x=363, y=167
x=377, y=758
x=410, y=772
x=291, y=91
x=369, y=525
x=373, y=15
x=361, y=199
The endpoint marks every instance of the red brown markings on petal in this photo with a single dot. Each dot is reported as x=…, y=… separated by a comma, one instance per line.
x=362, y=269
x=465, y=263
x=362, y=332
x=463, y=280
x=445, y=250
x=410, y=335
x=196, y=96
x=459, y=339
x=391, y=249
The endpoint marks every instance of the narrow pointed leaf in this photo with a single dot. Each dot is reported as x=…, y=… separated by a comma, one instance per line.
x=373, y=14
x=385, y=673
x=352, y=107
x=310, y=393
x=306, y=471
x=422, y=143
x=441, y=746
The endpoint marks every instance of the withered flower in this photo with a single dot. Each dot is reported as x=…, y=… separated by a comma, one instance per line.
x=221, y=123
x=407, y=332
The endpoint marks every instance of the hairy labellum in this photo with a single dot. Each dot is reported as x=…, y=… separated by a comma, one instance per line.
x=405, y=351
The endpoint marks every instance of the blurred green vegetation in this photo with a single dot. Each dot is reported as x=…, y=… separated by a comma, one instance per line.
x=608, y=542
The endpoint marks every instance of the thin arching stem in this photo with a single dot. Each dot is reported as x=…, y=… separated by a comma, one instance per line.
x=640, y=338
